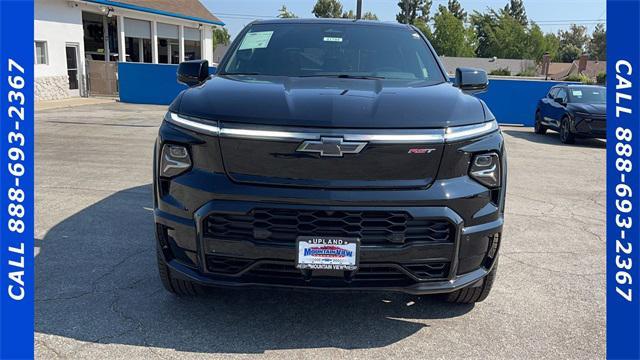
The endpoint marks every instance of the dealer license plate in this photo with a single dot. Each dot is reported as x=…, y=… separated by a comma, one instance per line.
x=327, y=253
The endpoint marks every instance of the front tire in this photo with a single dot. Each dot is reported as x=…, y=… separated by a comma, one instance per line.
x=538, y=127
x=566, y=136
x=471, y=295
x=176, y=286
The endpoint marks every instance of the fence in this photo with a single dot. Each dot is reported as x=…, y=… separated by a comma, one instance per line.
x=511, y=101
x=149, y=83
x=514, y=101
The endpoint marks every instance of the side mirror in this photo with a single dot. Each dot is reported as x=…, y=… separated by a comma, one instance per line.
x=193, y=72
x=471, y=80
x=559, y=100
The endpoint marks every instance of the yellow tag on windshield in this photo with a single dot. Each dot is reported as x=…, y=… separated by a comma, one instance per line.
x=256, y=40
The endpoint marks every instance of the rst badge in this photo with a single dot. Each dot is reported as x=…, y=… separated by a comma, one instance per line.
x=420, y=151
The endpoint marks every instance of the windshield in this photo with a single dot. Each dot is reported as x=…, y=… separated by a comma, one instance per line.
x=294, y=49
x=588, y=95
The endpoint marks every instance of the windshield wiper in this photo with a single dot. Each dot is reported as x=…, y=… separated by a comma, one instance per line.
x=347, y=76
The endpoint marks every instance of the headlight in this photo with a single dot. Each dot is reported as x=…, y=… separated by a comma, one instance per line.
x=485, y=168
x=174, y=160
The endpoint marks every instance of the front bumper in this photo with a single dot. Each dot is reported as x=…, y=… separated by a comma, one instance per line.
x=413, y=267
x=419, y=288
x=590, y=126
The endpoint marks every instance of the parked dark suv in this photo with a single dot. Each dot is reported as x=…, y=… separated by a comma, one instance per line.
x=332, y=155
x=573, y=111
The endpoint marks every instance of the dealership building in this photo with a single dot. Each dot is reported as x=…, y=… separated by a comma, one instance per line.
x=78, y=43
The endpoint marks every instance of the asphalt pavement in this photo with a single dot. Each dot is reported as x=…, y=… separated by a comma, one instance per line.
x=98, y=294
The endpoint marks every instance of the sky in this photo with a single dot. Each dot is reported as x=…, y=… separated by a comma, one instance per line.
x=551, y=15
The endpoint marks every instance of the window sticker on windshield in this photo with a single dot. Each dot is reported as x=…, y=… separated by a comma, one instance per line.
x=256, y=40
x=332, y=39
x=577, y=93
x=415, y=36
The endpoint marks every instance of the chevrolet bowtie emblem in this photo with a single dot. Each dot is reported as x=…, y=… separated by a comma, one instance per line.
x=331, y=146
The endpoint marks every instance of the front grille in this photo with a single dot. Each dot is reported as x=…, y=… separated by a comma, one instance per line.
x=368, y=274
x=226, y=265
x=287, y=273
x=283, y=226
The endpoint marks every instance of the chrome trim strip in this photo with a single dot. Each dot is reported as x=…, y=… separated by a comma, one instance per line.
x=269, y=134
x=193, y=125
x=394, y=136
x=427, y=137
x=372, y=136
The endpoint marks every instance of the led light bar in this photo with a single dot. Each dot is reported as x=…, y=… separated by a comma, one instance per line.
x=450, y=134
x=457, y=133
x=193, y=125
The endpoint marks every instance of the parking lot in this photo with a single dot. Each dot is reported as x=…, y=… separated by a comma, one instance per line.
x=98, y=294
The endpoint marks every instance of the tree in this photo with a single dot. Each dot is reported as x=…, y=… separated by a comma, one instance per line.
x=370, y=16
x=552, y=45
x=538, y=44
x=328, y=9
x=366, y=16
x=501, y=35
x=515, y=8
x=349, y=15
x=573, y=43
x=284, y=13
x=508, y=39
x=412, y=10
x=220, y=36
x=575, y=36
x=507, y=33
x=483, y=24
x=568, y=53
x=450, y=37
x=598, y=44
x=456, y=10
x=424, y=28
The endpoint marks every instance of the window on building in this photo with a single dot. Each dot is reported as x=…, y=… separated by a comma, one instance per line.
x=97, y=41
x=41, y=52
x=168, y=44
x=112, y=37
x=94, y=44
x=192, y=50
x=137, y=40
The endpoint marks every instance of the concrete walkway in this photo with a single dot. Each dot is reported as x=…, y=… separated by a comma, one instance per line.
x=72, y=102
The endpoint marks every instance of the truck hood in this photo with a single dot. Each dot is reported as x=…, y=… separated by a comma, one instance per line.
x=330, y=102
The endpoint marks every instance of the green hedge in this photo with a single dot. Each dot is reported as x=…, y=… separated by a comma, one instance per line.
x=580, y=78
x=501, y=72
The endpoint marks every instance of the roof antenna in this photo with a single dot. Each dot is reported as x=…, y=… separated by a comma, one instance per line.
x=359, y=10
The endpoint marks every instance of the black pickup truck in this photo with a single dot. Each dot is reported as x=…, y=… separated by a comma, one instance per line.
x=329, y=155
